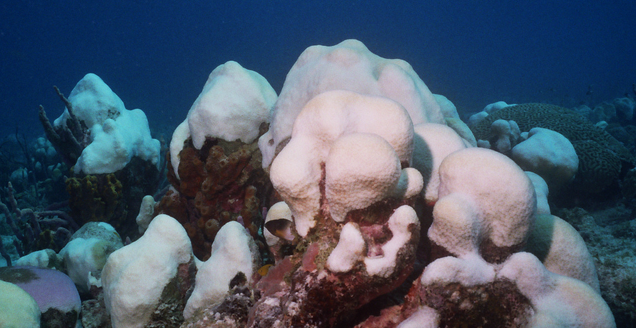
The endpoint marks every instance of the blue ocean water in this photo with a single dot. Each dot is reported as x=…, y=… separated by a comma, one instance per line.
x=156, y=55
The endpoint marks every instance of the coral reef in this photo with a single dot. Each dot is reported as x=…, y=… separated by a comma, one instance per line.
x=602, y=159
x=372, y=208
x=348, y=230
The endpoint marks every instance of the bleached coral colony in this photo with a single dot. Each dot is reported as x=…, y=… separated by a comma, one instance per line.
x=376, y=177
x=378, y=189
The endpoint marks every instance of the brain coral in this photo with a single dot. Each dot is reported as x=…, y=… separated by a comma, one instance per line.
x=601, y=157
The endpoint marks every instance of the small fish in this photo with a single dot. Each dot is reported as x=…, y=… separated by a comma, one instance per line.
x=280, y=228
x=264, y=270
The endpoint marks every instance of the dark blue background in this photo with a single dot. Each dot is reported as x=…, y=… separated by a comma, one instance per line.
x=156, y=55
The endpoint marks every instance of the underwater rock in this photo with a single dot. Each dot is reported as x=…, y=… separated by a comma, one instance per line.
x=612, y=247
x=232, y=312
